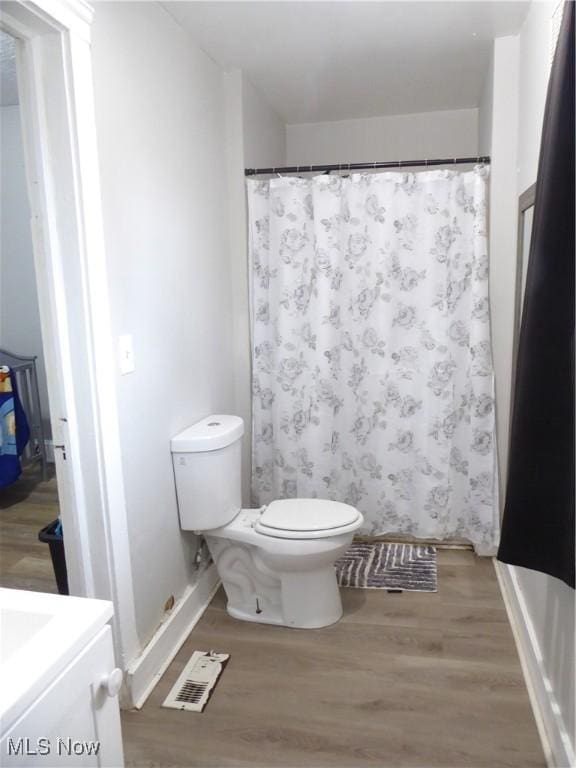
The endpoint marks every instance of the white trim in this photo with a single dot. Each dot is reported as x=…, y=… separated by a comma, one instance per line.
x=116, y=558
x=554, y=735
x=148, y=668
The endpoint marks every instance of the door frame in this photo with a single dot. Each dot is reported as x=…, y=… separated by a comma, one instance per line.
x=55, y=83
x=525, y=201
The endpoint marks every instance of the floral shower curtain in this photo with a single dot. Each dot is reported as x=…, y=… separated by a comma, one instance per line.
x=372, y=371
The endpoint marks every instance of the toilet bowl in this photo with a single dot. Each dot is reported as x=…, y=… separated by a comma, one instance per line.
x=279, y=575
x=276, y=563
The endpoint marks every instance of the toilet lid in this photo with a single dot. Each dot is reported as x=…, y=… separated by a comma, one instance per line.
x=307, y=518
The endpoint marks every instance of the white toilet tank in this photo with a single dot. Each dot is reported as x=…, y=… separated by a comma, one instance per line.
x=207, y=465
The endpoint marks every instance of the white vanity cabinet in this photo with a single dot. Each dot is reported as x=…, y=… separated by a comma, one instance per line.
x=72, y=717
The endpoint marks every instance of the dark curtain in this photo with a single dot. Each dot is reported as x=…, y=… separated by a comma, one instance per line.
x=538, y=525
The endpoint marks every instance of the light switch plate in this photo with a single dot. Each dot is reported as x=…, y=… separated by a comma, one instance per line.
x=126, y=353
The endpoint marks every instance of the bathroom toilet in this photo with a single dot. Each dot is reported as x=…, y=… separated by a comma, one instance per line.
x=276, y=563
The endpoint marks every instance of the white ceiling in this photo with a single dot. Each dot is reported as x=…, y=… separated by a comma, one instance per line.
x=319, y=61
x=8, y=84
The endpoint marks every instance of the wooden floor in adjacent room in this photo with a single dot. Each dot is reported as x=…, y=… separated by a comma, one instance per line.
x=412, y=679
x=26, y=507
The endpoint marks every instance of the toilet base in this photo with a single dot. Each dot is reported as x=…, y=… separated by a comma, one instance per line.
x=308, y=600
x=285, y=582
x=277, y=620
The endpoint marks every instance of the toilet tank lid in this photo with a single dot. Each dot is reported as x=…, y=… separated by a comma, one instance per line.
x=210, y=434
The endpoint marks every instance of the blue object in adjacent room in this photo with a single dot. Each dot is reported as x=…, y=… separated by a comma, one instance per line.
x=14, y=430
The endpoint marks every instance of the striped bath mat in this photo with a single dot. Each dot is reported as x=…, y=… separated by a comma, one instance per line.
x=380, y=565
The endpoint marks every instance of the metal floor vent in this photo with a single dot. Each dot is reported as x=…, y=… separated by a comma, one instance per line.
x=197, y=681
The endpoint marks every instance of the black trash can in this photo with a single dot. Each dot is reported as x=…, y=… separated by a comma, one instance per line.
x=56, y=543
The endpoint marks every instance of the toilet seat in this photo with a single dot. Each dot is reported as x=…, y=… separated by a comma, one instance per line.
x=307, y=519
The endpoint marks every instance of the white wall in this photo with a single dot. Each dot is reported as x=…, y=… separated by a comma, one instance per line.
x=256, y=137
x=485, y=111
x=19, y=315
x=161, y=138
x=535, y=60
x=503, y=217
x=263, y=130
x=399, y=137
x=550, y=603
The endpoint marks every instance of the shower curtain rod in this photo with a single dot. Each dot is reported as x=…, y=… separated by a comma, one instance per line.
x=360, y=166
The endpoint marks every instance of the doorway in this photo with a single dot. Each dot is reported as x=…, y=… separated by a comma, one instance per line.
x=54, y=73
x=29, y=506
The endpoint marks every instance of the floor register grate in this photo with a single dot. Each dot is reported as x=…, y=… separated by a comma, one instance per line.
x=197, y=681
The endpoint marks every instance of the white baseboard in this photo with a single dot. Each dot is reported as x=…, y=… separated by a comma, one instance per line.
x=554, y=735
x=146, y=670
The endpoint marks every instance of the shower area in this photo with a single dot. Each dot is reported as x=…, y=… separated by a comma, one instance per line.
x=372, y=376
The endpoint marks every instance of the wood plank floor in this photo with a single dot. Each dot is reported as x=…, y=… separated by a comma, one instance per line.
x=412, y=679
x=26, y=506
